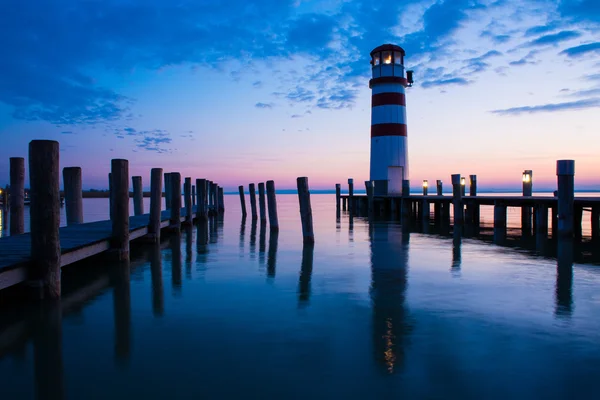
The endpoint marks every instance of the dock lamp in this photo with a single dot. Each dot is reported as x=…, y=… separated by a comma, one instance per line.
x=463, y=182
x=425, y=187
x=527, y=182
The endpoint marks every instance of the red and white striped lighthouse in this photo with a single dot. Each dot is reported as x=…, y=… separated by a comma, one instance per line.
x=389, y=151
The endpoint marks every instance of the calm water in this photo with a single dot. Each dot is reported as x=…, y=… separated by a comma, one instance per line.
x=232, y=311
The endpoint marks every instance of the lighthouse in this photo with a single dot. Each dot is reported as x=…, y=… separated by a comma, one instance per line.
x=389, y=150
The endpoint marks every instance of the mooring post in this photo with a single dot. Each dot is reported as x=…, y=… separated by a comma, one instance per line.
x=370, y=188
x=138, y=195
x=168, y=195
x=155, y=204
x=565, y=171
x=272, y=203
x=209, y=197
x=499, y=222
x=242, y=201
x=541, y=217
x=175, y=220
x=305, y=210
x=261, y=201
x=221, y=200
x=201, y=185
x=437, y=206
x=344, y=200
x=338, y=195
x=120, y=222
x=351, y=205
x=252, y=190
x=474, y=210
x=17, y=195
x=457, y=191
x=187, y=196
x=73, y=195
x=193, y=195
x=110, y=196
x=45, y=216
x=215, y=193
x=526, y=213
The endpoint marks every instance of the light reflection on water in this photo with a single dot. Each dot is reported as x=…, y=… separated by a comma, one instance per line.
x=229, y=310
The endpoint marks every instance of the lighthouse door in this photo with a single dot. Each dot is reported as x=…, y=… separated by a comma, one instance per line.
x=395, y=176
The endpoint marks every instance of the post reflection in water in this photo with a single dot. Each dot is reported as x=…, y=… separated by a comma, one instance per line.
x=306, y=268
x=121, y=275
x=351, y=228
x=201, y=246
x=158, y=300
x=272, y=253
x=389, y=268
x=456, y=252
x=213, y=229
x=47, y=351
x=253, y=238
x=242, y=234
x=564, y=279
x=189, y=239
x=262, y=242
x=175, y=247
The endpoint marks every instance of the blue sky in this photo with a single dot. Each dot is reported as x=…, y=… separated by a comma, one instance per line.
x=243, y=92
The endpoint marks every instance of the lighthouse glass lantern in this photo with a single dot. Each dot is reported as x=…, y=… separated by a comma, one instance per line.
x=389, y=150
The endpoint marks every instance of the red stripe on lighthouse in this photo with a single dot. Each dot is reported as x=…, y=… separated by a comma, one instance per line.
x=388, y=130
x=390, y=98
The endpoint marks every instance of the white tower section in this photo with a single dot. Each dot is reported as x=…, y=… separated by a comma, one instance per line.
x=389, y=151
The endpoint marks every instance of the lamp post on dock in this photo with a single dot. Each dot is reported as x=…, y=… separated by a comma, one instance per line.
x=425, y=187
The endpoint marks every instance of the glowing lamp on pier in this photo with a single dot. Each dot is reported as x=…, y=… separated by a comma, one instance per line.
x=425, y=186
x=462, y=181
x=526, y=176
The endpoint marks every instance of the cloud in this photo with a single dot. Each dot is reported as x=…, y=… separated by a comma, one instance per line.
x=541, y=29
x=150, y=140
x=527, y=59
x=445, y=82
x=554, y=38
x=593, y=77
x=68, y=133
x=586, y=93
x=572, y=105
x=578, y=51
x=496, y=38
x=264, y=105
x=257, y=84
x=310, y=31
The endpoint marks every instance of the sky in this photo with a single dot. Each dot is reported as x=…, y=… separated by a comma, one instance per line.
x=241, y=91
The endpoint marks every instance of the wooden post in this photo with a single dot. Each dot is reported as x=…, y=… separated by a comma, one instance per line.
x=252, y=190
x=370, y=187
x=155, y=204
x=338, y=194
x=175, y=220
x=221, y=200
x=202, y=193
x=554, y=217
x=17, y=195
x=351, y=205
x=45, y=216
x=344, y=201
x=242, y=201
x=110, y=197
x=305, y=210
x=595, y=222
x=472, y=185
x=499, y=222
x=457, y=191
x=425, y=211
x=193, y=195
x=168, y=192
x=405, y=205
x=272, y=202
x=209, y=197
x=120, y=221
x=526, y=213
x=474, y=210
x=577, y=220
x=187, y=196
x=438, y=185
x=462, y=186
x=215, y=196
x=437, y=206
x=138, y=195
x=565, y=171
x=541, y=227
x=73, y=195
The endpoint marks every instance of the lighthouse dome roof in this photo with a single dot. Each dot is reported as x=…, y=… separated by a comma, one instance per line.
x=388, y=47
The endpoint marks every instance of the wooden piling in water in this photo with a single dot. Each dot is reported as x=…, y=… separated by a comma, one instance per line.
x=405, y=204
x=45, y=216
x=110, y=197
x=565, y=171
x=17, y=195
x=437, y=206
x=120, y=221
x=351, y=205
x=474, y=210
x=338, y=195
x=138, y=195
x=499, y=222
x=344, y=201
x=272, y=203
x=370, y=188
x=193, y=195
x=168, y=193
x=221, y=200
x=457, y=191
x=73, y=195
x=202, y=193
x=305, y=210
x=541, y=217
x=252, y=191
x=155, y=204
x=242, y=201
x=187, y=196
x=175, y=220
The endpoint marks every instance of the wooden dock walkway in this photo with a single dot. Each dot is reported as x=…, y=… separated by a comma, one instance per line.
x=77, y=242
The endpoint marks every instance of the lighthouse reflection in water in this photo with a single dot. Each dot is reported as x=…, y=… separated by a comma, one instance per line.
x=389, y=269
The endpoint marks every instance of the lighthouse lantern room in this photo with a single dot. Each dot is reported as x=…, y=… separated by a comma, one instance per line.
x=389, y=151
